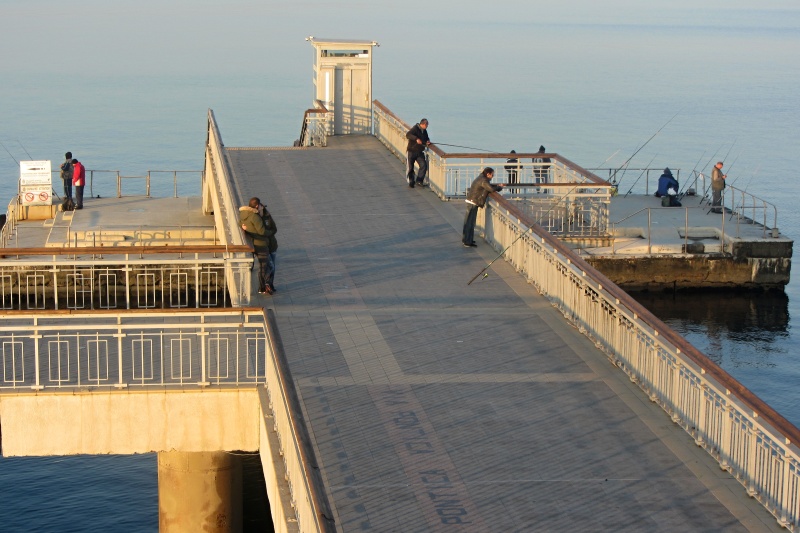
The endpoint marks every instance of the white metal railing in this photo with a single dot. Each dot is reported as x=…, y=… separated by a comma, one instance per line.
x=749, y=439
x=12, y=220
x=221, y=197
x=121, y=283
x=138, y=350
x=308, y=492
x=316, y=126
x=564, y=197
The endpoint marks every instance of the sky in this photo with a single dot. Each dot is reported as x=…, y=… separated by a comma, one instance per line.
x=116, y=36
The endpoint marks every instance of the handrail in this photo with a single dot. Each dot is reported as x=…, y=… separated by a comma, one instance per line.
x=134, y=249
x=733, y=424
x=308, y=139
x=316, y=496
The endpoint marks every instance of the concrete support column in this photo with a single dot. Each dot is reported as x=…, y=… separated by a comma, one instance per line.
x=199, y=491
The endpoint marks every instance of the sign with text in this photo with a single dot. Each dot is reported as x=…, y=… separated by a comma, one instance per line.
x=35, y=183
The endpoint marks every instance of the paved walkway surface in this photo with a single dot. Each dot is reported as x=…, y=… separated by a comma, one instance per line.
x=437, y=406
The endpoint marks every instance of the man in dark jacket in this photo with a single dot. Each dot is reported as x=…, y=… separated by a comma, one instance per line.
x=270, y=230
x=66, y=175
x=476, y=198
x=418, y=140
x=253, y=226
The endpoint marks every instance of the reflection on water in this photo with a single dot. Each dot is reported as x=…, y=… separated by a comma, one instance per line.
x=740, y=328
x=747, y=333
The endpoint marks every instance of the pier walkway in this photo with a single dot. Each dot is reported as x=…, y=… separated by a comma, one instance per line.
x=433, y=405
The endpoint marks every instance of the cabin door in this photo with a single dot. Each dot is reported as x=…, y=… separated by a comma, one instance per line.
x=351, y=100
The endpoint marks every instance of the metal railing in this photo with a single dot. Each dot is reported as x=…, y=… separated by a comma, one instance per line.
x=110, y=280
x=316, y=126
x=221, y=197
x=746, y=436
x=567, y=199
x=12, y=221
x=687, y=229
x=635, y=180
x=109, y=350
x=309, y=498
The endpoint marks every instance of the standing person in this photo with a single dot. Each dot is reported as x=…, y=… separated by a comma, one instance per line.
x=542, y=169
x=512, y=168
x=476, y=198
x=66, y=175
x=253, y=225
x=79, y=181
x=418, y=140
x=717, y=186
x=270, y=230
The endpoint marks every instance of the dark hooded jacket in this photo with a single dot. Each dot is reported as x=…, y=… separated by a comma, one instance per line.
x=417, y=133
x=665, y=183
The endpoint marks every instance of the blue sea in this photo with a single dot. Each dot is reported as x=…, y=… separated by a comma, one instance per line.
x=126, y=86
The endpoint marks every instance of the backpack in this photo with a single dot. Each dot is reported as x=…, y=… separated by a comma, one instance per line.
x=68, y=205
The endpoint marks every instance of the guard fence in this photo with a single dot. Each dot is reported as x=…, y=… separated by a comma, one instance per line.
x=746, y=436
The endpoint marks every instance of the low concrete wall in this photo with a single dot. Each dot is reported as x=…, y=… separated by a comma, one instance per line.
x=694, y=271
x=130, y=422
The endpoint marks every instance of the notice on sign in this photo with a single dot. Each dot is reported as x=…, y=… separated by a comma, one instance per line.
x=35, y=183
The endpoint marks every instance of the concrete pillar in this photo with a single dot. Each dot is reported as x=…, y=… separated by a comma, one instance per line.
x=199, y=491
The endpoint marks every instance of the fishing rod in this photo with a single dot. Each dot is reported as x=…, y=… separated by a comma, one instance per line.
x=468, y=147
x=556, y=203
x=645, y=144
x=692, y=173
x=640, y=176
x=26, y=152
x=9, y=153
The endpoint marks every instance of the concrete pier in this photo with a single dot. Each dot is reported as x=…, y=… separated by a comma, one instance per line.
x=199, y=491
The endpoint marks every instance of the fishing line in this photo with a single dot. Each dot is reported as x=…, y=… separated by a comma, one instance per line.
x=9, y=153
x=468, y=147
x=640, y=175
x=556, y=203
x=692, y=173
x=23, y=148
x=645, y=144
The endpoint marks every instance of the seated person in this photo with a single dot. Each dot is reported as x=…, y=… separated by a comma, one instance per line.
x=665, y=183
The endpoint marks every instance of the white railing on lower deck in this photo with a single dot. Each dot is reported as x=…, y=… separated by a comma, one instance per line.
x=747, y=437
x=121, y=350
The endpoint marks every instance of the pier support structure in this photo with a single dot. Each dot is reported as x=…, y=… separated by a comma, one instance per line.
x=199, y=491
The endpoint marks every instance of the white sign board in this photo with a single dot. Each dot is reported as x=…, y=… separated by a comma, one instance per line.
x=35, y=183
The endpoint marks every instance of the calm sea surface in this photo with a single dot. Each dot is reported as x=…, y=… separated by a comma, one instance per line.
x=586, y=91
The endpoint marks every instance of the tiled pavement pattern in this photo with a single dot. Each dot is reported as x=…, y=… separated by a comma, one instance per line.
x=437, y=406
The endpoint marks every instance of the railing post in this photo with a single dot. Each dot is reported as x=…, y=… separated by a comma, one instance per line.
x=147, y=184
x=725, y=452
x=119, y=185
x=37, y=367
x=119, y=335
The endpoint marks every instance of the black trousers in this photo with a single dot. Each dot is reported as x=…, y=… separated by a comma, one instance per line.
x=469, y=224
x=419, y=158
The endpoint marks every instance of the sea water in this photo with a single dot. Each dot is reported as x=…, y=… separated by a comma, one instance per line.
x=128, y=89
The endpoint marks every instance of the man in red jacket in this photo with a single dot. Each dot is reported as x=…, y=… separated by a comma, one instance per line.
x=79, y=181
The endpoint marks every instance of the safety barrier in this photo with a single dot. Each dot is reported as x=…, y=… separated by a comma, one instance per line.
x=316, y=126
x=746, y=436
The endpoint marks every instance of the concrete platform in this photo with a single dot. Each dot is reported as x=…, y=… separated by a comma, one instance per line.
x=690, y=247
x=127, y=221
x=434, y=405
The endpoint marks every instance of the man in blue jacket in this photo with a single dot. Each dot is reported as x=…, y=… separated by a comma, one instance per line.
x=665, y=183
